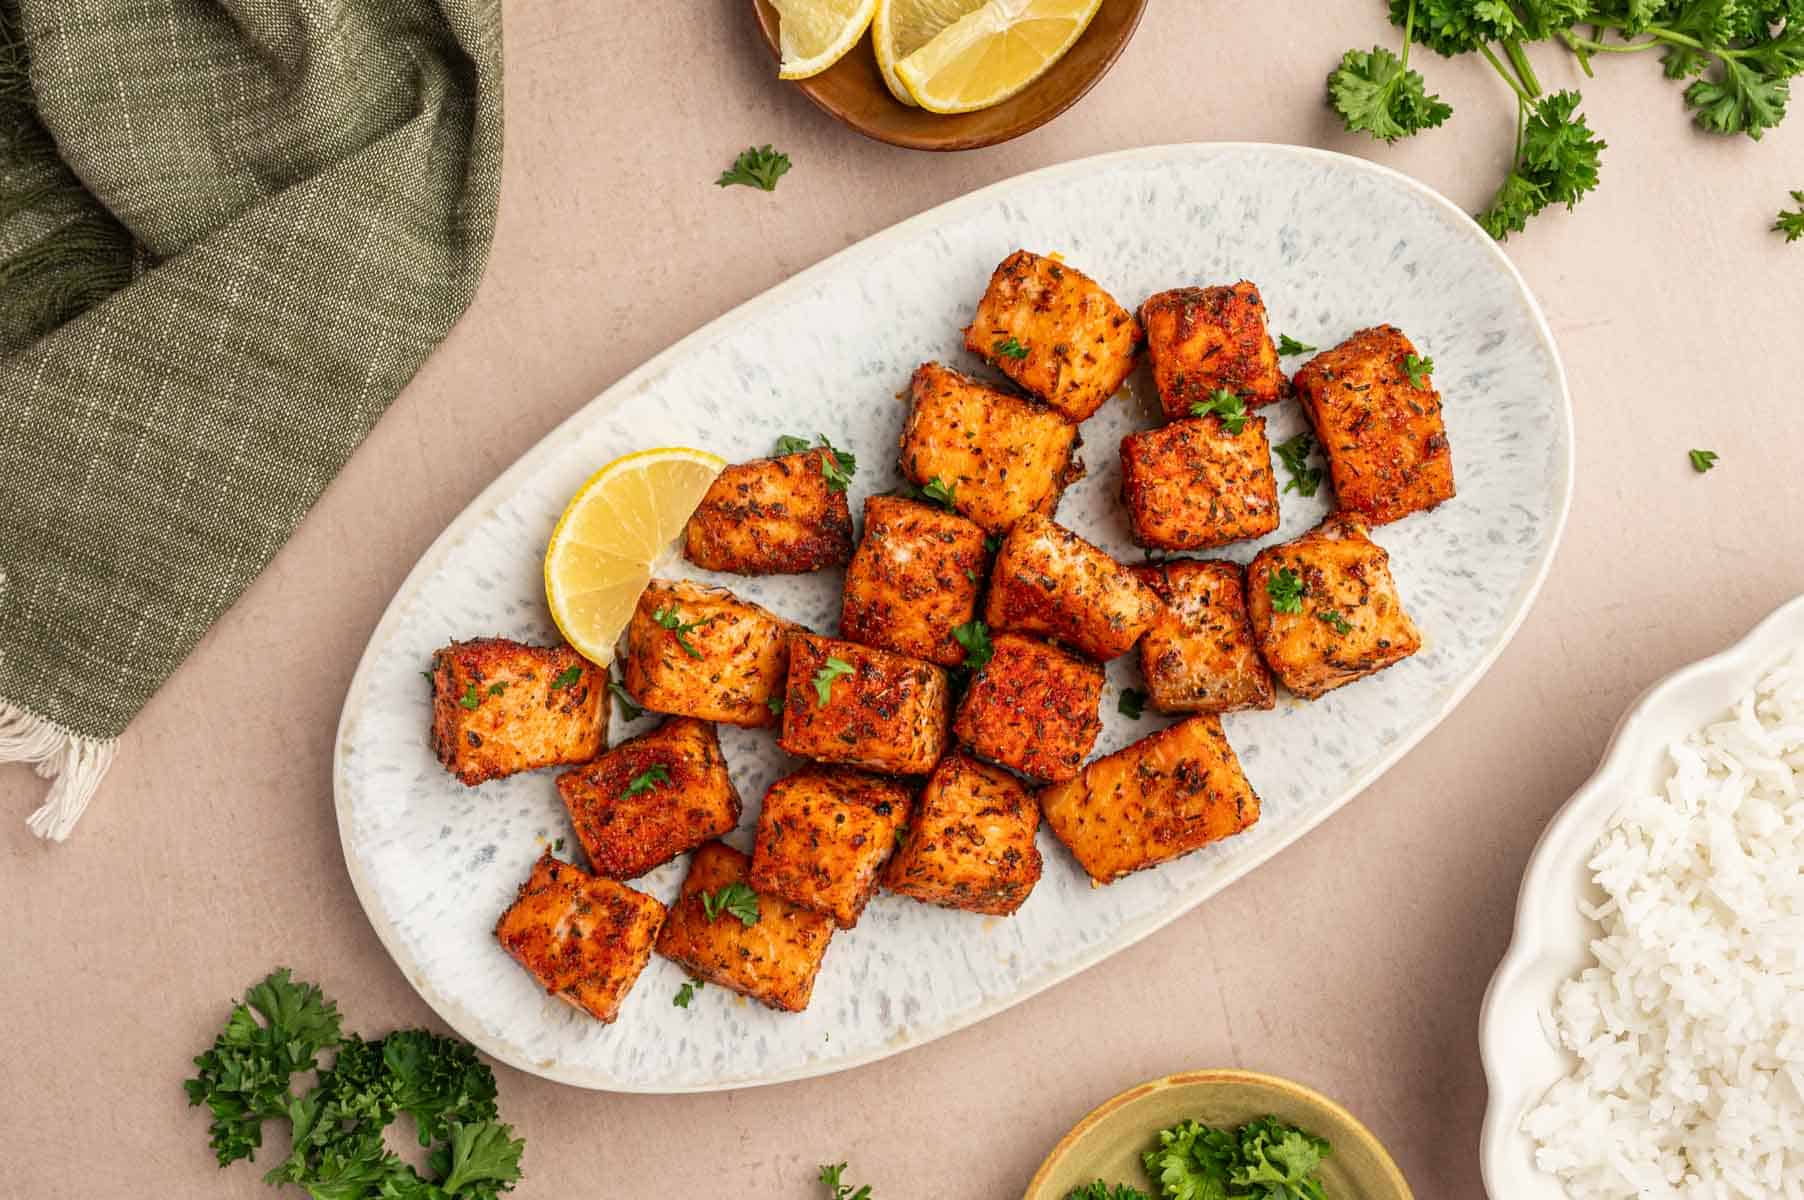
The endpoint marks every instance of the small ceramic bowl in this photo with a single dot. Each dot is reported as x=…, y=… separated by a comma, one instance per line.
x=853, y=91
x=1107, y=1144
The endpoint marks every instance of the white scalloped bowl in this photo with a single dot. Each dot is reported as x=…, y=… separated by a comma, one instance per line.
x=1517, y=1033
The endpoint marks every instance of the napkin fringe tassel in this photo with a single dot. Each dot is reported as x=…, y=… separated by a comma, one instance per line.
x=77, y=765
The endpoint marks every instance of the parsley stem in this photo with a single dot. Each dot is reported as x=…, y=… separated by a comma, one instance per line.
x=1504, y=71
x=1409, y=32
x=1583, y=46
x=1525, y=70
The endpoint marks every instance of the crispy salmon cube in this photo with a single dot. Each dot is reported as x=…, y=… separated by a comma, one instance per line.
x=1202, y=340
x=823, y=836
x=1048, y=580
x=1382, y=432
x=1032, y=708
x=1001, y=456
x=868, y=708
x=1345, y=620
x=500, y=707
x=1191, y=484
x=970, y=842
x=702, y=652
x=773, y=960
x=584, y=939
x=651, y=798
x=1167, y=794
x=1201, y=656
x=1055, y=332
x=773, y=516
x=914, y=579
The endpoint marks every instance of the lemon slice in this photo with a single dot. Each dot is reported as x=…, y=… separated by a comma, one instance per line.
x=992, y=52
x=903, y=26
x=815, y=34
x=615, y=530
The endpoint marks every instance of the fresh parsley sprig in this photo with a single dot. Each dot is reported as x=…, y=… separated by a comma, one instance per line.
x=838, y=466
x=667, y=616
x=1288, y=345
x=646, y=780
x=937, y=491
x=974, y=636
x=1285, y=587
x=758, y=167
x=1737, y=59
x=1418, y=369
x=1102, y=1191
x=734, y=899
x=1294, y=453
x=830, y=1175
x=1224, y=404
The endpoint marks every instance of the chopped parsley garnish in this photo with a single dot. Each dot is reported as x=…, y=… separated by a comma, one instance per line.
x=495, y=689
x=970, y=574
x=1703, y=460
x=667, y=616
x=1417, y=369
x=1294, y=453
x=646, y=780
x=565, y=678
x=471, y=699
x=1332, y=618
x=735, y=899
x=775, y=704
x=756, y=166
x=557, y=847
x=686, y=993
x=629, y=711
x=842, y=1191
x=1131, y=704
x=1263, y=1159
x=974, y=636
x=837, y=465
x=901, y=835
x=1285, y=587
x=1009, y=347
x=992, y=542
x=823, y=679
x=1288, y=345
x=1102, y=1191
x=941, y=492
x=1225, y=404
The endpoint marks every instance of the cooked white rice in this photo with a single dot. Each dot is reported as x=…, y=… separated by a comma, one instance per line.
x=1689, y=1028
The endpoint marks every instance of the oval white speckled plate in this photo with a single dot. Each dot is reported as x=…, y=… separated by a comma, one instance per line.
x=1335, y=244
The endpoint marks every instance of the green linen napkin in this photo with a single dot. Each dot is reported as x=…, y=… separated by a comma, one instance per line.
x=230, y=233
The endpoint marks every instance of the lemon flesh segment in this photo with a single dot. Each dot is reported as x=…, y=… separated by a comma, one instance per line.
x=812, y=35
x=614, y=532
x=993, y=52
x=903, y=26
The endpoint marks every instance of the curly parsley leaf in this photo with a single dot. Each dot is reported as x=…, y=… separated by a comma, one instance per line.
x=791, y=444
x=974, y=636
x=757, y=166
x=1224, y=404
x=1740, y=99
x=1557, y=163
x=838, y=466
x=1703, y=460
x=831, y=670
x=1377, y=93
x=1102, y=1191
x=1285, y=587
x=1790, y=222
x=1288, y=345
x=1293, y=453
x=734, y=899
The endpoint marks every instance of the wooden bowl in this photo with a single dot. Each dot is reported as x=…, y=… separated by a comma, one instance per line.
x=853, y=91
x=1107, y=1144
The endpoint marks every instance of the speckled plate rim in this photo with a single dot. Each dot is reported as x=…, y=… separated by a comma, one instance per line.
x=1130, y=933
x=1516, y=1043
x=1219, y=1075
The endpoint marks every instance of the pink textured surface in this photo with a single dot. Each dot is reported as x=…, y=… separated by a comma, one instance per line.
x=1354, y=962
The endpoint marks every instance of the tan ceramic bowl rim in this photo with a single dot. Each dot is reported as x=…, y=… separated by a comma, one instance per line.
x=1231, y=1076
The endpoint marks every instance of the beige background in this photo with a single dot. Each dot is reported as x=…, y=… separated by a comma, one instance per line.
x=1355, y=961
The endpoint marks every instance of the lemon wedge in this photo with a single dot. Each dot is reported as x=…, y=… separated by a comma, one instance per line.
x=815, y=34
x=903, y=26
x=618, y=527
x=992, y=52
